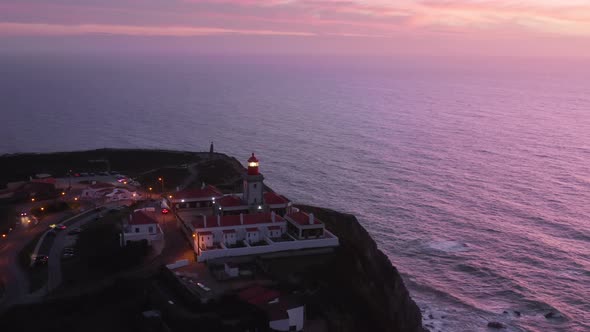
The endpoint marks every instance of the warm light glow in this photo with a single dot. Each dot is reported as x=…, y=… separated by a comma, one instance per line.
x=150, y=188
x=194, y=236
x=3, y=235
x=182, y=200
x=32, y=199
x=170, y=196
x=42, y=209
x=159, y=179
x=75, y=198
x=253, y=164
x=63, y=193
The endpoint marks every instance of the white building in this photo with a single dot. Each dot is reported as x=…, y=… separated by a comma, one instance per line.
x=97, y=190
x=195, y=199
x=142, y=225
x=255, y=222
x=284, y=312
x=254, y=199
x=122, y=194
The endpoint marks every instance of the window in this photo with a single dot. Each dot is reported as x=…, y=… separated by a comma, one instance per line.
x=136, y=229
x=255, y=186
x=151, y=229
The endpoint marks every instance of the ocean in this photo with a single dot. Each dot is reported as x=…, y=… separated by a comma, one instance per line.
x=473, y=175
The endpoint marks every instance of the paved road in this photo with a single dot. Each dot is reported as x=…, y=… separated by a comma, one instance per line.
x=15, y=279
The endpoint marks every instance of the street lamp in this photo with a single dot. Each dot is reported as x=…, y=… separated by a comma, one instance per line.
x=161, y=179
x=150, y=188
x=33, y=199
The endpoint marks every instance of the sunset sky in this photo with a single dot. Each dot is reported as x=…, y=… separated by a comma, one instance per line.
x=430, y=27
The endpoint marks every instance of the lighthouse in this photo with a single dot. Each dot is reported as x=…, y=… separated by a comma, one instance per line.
x=253, y=184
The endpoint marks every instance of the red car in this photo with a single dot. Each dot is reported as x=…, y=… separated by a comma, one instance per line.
x=165, y=211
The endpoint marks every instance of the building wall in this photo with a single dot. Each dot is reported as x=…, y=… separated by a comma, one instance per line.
x=241, y=233
x=271, y=247
x=253, y=188
x=279, y=325
x=297, y=317
x=143, y=234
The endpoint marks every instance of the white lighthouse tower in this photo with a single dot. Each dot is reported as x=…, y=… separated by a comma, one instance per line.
x=253, y=184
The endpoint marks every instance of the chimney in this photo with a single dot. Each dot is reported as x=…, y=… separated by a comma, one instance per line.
x=273, y=216
x=205, y=219
x=241, y=219
x=311, y=218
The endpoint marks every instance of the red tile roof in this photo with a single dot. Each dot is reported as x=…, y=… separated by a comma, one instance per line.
x=260, y=218
x=274, y=227
x=234, y=220
x=205, y=193
x=232, y=200
x=226, y=231
x=302, y=218
x=252, y=229
x=141, y=218
x=205, y=233
x=274, y=198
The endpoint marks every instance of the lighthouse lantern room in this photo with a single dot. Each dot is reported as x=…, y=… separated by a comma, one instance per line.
x=253, y=165
x=253, y=183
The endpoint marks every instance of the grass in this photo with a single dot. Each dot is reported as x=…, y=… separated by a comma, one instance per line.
x=7, y=218
x=173, y=177
x=98, y=251
x=24, y=256
x=37, y=274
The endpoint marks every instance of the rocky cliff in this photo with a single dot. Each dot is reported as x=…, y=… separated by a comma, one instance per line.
x=362, y=290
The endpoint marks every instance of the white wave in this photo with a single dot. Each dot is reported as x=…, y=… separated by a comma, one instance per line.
x=448, y=246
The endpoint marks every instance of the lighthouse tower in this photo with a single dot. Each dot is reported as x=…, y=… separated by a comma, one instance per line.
x=253, y=185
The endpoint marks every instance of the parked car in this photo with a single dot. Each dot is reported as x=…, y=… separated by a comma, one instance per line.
x=58, y=227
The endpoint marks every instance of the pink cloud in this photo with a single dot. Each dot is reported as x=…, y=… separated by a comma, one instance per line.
x=423, y=21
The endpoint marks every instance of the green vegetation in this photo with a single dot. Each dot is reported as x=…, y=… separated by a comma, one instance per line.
x=7, y=218
x=53, y=207
x=37, y=274
x=98, y=251
x=173, y=177
x=18, y=167
x=24, y=256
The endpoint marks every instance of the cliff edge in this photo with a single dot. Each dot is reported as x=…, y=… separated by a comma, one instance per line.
x=363, y=290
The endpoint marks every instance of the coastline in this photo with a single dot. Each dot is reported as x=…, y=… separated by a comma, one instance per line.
x=360, y=287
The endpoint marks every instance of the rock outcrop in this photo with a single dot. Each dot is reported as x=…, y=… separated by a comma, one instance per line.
x=365, y=291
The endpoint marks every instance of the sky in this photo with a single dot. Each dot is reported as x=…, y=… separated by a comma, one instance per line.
x=378, y=27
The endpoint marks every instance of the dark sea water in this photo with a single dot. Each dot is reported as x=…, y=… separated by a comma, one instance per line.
x=472, y=176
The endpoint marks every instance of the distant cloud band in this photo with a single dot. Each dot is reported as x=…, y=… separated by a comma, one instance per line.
x=36, y=29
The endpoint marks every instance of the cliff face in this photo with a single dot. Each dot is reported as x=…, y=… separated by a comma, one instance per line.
x=362, y=289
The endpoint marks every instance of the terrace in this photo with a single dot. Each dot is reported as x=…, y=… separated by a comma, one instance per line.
x=268, y=245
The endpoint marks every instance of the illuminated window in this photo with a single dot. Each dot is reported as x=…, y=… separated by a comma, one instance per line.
x=252, y=164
